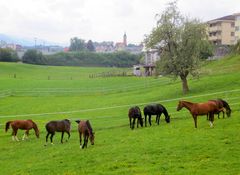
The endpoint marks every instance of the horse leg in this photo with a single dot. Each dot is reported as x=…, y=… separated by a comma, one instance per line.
x=149, y=120
x=195, y=120
x=211, y=119
x=68, y=135
x=134, y=119
x=62, y=137
x=15, y=134
x=84, y=141
x=138, y=121
x=47, y=137
x=130, y=122
x=80, y=138
x=145, y=116
x=51, y=137
x=27, y=134
x=207, y=117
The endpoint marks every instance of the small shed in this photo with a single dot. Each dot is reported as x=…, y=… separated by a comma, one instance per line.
x=137, y=70
x=151, y=56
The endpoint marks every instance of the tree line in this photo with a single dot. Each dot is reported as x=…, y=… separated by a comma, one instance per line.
x=82, y=58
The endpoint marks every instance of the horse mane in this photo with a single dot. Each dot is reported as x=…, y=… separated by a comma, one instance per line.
x=89, y=126
x=35, y=127
x=226, y=105
x=165, y=112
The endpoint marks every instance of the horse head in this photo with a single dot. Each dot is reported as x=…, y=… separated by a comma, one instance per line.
x=92, y=138
x=167, y=118
x=77, y=121
x=35, y=127
x=180, y=105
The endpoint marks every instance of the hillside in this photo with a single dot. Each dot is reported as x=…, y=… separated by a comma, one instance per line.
x=175, y=148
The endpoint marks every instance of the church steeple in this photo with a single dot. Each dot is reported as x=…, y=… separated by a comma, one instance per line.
x=125, y=39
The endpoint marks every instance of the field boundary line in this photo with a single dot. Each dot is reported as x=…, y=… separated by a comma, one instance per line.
x=119, y=106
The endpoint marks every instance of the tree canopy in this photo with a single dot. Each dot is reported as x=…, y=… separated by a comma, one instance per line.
x=8, y=55
x=77, y=44
x=33, y=56
x=180, y=41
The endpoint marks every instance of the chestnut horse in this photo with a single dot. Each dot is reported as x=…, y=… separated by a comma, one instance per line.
x=58, y=126
x=24, y=125
x=84, y=127
x=133, y=114
x=197, y=109
x=155, y=109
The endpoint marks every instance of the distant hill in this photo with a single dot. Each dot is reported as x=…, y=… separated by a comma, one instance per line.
x=25, y=41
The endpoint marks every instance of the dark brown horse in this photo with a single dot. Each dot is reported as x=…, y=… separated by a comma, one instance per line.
x=222, y=104
x=155, y=109
x=58, y=126
x=24, y=125
x=133, y=114
x=197, y=109
x=84, y=127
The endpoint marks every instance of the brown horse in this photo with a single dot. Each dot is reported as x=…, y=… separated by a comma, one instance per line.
x=133, y=114
x=84, y=127
x=222, y=104
x=24, y=125
x=200, y=109
x=58, y=126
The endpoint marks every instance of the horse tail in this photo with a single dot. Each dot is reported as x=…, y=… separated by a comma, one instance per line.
x=7, y=125
x=226, y=106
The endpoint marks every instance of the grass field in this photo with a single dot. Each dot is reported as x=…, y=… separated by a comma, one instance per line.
x=44, y=93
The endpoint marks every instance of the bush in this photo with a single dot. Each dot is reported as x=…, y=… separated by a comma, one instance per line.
x=8, y=55
x=32, y=56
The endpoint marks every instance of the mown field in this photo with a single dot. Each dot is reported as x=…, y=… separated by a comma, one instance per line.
x=45, y=93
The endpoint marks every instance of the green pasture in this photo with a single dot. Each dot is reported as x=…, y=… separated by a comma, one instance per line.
x=45, y=93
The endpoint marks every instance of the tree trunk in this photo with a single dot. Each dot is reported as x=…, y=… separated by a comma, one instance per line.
x=184, y=84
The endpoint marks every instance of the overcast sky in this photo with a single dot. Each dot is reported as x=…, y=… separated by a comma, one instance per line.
x=98, y=20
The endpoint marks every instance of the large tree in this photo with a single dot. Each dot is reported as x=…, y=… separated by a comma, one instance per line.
x=179, y=40
x=90, y=46
x=77, y=44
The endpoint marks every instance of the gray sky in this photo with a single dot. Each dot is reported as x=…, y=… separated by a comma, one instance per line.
x=98, y=20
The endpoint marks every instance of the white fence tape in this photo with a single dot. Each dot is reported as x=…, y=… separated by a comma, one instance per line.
x=118, y=106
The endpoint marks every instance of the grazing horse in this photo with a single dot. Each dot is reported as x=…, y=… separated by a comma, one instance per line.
x=155, y=109
x=58, y=126
x=197, y=109
x=222, y=104
x=133, y=113
x=84, y=127
x=24, y=125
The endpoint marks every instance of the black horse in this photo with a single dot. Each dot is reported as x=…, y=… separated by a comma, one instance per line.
x=155, y=109
x=133, y=113
x=58, y=126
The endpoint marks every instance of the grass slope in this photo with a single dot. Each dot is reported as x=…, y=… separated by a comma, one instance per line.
x=175, y=148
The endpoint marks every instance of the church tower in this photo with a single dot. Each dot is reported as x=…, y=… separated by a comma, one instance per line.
x=125, y=39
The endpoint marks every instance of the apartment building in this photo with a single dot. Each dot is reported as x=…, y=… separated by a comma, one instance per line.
x=221, y=31
x=237, y=27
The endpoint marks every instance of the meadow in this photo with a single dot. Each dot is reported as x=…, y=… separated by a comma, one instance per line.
x=45, y=93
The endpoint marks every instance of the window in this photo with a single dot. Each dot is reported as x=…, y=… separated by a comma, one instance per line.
x=232, y=33
x=232, y=24
x=237, y=28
